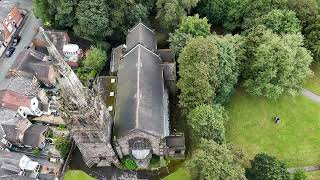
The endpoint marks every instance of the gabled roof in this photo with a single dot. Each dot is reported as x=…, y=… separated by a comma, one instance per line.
x=23, y=85
x=32, y=62
x=141, y=34
x=140, y=94
x=13, y=100
x=33, y=136
x=11, y=132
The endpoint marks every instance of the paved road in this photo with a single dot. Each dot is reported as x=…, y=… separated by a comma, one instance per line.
x=311, y=95
x=27, y=32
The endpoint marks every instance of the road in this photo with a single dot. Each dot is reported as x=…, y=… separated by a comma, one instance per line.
x=27, y=32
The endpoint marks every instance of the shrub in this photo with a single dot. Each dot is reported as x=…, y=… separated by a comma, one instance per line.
x=129, y=163
x=62, y=145
x=36, y=152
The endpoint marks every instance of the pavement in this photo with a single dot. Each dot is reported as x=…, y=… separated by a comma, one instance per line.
x=310, y=95
x=26, y=32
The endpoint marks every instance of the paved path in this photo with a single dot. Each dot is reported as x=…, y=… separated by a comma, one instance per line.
x=307, y=168
x=312, y=96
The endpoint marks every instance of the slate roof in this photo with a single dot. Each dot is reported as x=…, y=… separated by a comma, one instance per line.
x=177, y=142
x=31, y=62
x=11, y=132
x=13, y=100
x=20, y=84
x=140, y=94
x=34, y=135
x=141, y=34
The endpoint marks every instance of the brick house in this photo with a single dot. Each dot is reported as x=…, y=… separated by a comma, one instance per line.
x=10, y=20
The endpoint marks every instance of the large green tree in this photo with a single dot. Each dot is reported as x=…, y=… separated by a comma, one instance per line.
x=211, y=161
x=312, y=38
x=171, y=12
x=191, y=26
x=229, y=66
x=198, y=63
x=93, y=19
x=306, y=10
x=275, y=64
x=265, y=167
x=215, y=10
x=62, y=144
x=45, y=10
x=207, y=121
x=65, y=15
x=243, y=12
x=279, y=21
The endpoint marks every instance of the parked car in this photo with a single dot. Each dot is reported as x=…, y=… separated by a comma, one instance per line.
x=16, y=41
x=10, y=51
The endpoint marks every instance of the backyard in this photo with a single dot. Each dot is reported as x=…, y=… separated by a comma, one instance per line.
x=295, y=140
x=313, y=83
x=77, y=175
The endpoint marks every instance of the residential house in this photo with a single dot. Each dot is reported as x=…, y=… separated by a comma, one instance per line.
x=30, y=63
x=10, y=20
x=18, y=102
x=34, y=136
x=71, y=53
x=19, y=166
x=141, y=122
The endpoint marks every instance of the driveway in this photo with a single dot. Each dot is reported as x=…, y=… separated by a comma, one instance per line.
x=27, y=32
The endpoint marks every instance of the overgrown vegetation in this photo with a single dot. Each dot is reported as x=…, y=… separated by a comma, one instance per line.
x=36, y=152
x=62, y=144
x=129, y=163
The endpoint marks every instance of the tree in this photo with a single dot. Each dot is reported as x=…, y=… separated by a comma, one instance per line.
x=299, y=175
x=279, y=21
x=207, y=122
x=93, y=19
x=215, y=10
x=265, y=167
x=228, y=69
x=312, y=38
x=275, y=64
x=306, y=10
x=93, y=63
x=65, y=15
x=138, y=13
x=243, y=12
x=212, y=161
x=62, y=144
x=36, y=152
x=171, y=12
x=198, y=63
x=191, y=26
x=42, y=11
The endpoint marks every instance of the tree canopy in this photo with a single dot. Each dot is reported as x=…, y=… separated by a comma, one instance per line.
x=279, y=21
x=212, y=161
x=191, y=26
x=306, y=10
x=276, y=64
x=312, y=38
x=171, y=12
x=207, y=121
x=198, y=63
x=265, y=167
x=214, y=10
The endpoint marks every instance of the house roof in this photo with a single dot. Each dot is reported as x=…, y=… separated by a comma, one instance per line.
x=140, y=94
x=32, y=62
x=175, y=142
x=20, y=84
x=13, y=100
x=33, y=136
x=141, y=34
x=11, y=132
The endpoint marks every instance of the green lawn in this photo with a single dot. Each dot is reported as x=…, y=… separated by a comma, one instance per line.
x=313, y=83
x=295, y=140
x=314, y=175
x=180, y=174
x=77, y=175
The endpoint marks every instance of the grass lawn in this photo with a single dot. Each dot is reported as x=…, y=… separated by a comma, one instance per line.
x=313, y=83
x=77, y=175
x=180, y=174
x=314, y=175
x=295, y=140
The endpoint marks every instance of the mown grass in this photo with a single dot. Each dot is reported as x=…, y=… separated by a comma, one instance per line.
x=77, y=175
x=180, y=174
x=313, y=83
x=295, y=140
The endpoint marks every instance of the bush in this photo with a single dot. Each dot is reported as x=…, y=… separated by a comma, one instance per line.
x=129, y=163
x=62, y=145
x=299, y=175
x=154, y=160
x=36, y=152
x=62, y=126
